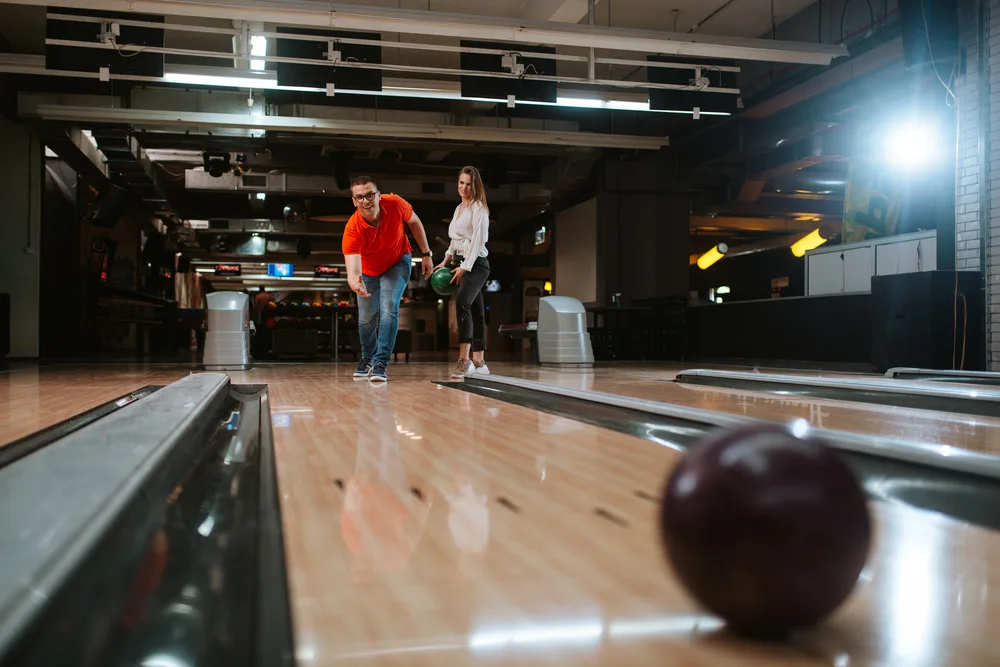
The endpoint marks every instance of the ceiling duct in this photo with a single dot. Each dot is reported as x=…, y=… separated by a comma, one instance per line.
x=158, y=118
x=256, y=181
x=198, y=179
x=279, y=183
x=278, y=227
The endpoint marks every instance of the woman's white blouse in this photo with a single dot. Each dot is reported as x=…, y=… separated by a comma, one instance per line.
x=469, y=232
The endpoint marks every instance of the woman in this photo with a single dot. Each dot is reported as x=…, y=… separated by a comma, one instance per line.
x=469, y=231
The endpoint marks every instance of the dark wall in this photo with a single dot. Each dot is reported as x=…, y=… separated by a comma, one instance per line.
x=61, y=281
x=642, y=229
x=749, y=276
x=823, y=329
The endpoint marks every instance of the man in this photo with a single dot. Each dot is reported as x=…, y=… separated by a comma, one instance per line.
x=378, y=258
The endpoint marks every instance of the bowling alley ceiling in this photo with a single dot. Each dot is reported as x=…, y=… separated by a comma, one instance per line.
x=214, y=85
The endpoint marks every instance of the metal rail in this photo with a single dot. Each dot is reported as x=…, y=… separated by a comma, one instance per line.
x=942, y=456
x=980, y=401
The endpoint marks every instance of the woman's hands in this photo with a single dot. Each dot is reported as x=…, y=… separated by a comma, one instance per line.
x=447, y=259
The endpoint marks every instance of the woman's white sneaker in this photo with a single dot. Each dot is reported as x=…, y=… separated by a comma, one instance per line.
x=462, y=368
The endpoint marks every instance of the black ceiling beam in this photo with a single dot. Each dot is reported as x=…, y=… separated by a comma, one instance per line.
x=58, y=140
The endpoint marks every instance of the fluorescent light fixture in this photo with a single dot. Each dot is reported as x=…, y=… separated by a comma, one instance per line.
x=258, y=47
x=265, y=82
x=594, y=103
x=712, y=256
x=260, y=83
x=312, y=288
x=617, y=105
x=808, y=242
x=264, y=276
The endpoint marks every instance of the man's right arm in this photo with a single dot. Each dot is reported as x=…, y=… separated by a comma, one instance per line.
x=354, y=275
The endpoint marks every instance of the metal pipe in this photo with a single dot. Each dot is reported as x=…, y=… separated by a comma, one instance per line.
x=324, y=126
x=390, y=68
x=710, y=16
x=391, y=87
x=441, y=48
x=590, y=56
x=984, y=188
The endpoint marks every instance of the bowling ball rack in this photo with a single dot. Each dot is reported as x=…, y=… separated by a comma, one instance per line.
x=963, y=486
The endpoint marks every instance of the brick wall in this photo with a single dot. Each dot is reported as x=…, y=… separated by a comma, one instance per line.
x=968, y=200
x=972, y=196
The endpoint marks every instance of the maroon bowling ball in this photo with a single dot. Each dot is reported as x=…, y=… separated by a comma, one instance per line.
x=767, y=529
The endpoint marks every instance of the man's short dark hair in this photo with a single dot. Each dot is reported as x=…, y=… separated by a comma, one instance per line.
x=364, y=180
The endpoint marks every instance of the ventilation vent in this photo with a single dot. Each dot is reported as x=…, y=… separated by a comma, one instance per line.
x=256, y=181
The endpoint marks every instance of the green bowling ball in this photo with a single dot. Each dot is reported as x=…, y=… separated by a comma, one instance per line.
x=441, y=281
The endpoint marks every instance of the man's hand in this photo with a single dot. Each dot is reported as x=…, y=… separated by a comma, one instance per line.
x=427, y=266
x=354, y=278
x=358, y=285
x=456, y=275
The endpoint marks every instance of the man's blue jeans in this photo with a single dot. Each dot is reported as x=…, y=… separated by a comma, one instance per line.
x=378, y=315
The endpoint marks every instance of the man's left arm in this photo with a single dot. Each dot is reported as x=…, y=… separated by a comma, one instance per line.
x=420, y=236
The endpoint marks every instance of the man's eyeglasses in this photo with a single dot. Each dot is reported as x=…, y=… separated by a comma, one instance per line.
x=370, y=196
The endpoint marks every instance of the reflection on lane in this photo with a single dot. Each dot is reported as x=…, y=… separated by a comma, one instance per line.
x=383, y=518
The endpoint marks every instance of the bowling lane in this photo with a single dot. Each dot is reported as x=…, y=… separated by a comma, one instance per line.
x=975, y=433
x=32, y=399
x=430, y=526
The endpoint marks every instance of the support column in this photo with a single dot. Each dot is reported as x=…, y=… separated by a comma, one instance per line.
x=20, y=233
x=642, y=230
x=977, y=198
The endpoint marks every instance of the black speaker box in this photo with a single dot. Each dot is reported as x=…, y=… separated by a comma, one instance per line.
x=129, y=59
x=317, y=76
x=918, y=321
x=494, y=88
x=662, y=99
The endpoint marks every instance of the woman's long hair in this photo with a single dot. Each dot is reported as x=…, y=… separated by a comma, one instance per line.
x=478, y=189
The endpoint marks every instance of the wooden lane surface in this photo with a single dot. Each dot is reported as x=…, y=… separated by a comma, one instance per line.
x=531, y=539
x=971, y=432
x=429, y=526
x=32, y=399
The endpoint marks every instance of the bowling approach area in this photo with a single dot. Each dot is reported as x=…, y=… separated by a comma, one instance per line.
x=288, y=514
